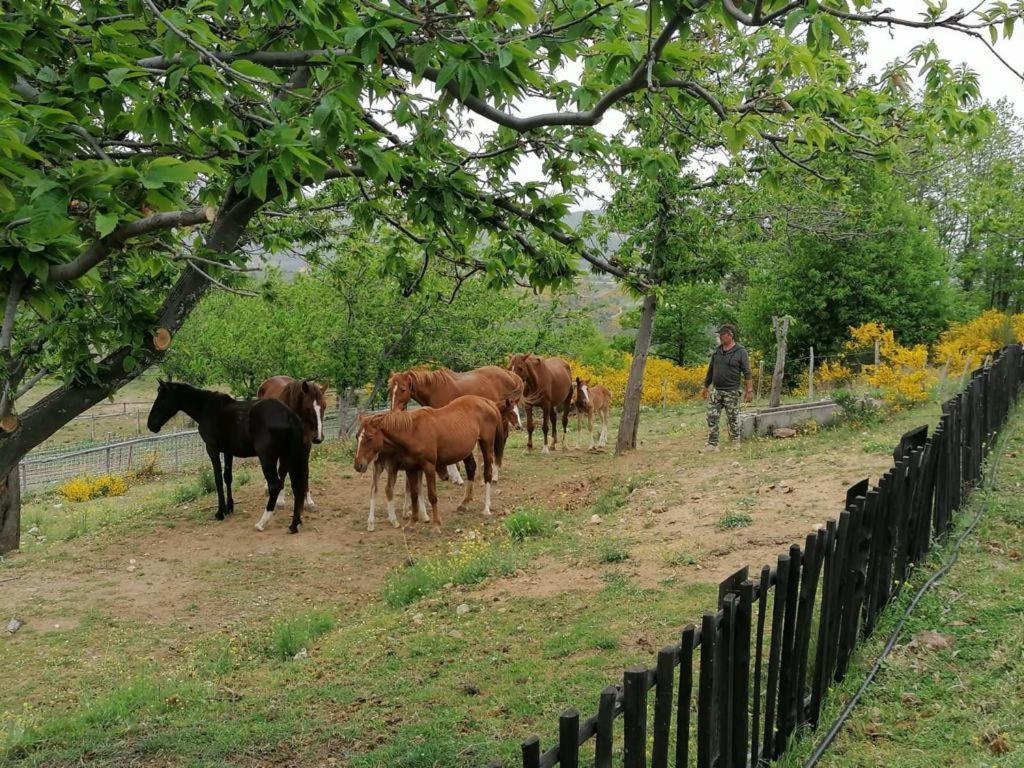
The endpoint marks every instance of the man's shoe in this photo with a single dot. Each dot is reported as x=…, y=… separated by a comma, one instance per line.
x=709, y=448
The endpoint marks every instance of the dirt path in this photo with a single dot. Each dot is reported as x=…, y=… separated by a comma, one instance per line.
x=204, y=574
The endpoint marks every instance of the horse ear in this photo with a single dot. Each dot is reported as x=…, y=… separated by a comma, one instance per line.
x=305, y=387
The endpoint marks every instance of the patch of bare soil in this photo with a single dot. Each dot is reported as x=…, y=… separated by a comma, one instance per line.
x=205, y=574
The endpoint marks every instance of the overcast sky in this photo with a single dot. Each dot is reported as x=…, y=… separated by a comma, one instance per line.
x=885, y=45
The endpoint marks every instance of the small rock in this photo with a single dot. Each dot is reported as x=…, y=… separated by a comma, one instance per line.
x=131, y=568
x=34, y=529
x=463, y=609
x=595, y=520
x=14, y=625
x=131, y=561
x=448, y=585
x=302, y=654
x=417, y=619
x=735, y=464
x=470, y=690
x=785, y=432
x=471, y=535
x=456, y=634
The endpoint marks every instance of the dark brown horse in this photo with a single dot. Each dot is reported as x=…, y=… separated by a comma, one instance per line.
x=308, y=401
x=591, y=400
x=436, y=388
x=420, y=441
x=264, y=428
x=547, y=383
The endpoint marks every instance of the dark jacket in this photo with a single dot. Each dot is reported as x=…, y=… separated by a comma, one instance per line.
x=727, y=369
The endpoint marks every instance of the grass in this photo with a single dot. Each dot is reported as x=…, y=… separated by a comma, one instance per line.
x=524, y=523
x=734, y=520
x=611, y=550
x=292, y=635
x=204, y=484
x=680, y=558
x=960, y=705
x=405, y=681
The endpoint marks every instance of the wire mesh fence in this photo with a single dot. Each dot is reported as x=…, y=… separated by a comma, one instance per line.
x=170, y=452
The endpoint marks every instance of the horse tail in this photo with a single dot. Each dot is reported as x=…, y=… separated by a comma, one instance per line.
x=500, y=437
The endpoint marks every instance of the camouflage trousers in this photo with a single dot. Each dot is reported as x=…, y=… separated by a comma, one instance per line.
x=729, y=399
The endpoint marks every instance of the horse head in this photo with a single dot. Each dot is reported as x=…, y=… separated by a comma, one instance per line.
x=509, y=411
x=312, y=407
x=525, y=366
x=164, y=407
x=582, y=393
x=402, y=387
x=369, y=441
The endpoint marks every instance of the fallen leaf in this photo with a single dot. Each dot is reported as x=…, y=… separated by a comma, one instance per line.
x=997, y=743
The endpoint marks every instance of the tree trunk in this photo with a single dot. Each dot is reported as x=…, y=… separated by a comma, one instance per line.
x=52, y=412
x=630, y=421
x=781, y=330
x=10, y=512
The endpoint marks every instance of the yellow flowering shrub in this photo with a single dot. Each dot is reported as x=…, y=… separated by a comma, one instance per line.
x=903, y=375
x=684, y=382
x=85, y=488
x=972, y=341
x=865, y=335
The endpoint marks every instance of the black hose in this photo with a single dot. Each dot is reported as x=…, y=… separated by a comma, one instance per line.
x=844, y=715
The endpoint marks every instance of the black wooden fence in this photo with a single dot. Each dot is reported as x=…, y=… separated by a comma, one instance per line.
x=759, y=667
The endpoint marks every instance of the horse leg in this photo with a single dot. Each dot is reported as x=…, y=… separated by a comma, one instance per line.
x=299, y=472
x=579, y=417
x=228, y=458
x=529, y=427
x=412, y=487
x=371, y=520
x=222, y=508
x=453, y=474
x=602, y=441
x=389, y=489
x=274, y=485
x=590, y=424
x=565, y=425
x=470, y=475
x=309, y=497
x=547, y=418
x=487, y=449
x=431, y=472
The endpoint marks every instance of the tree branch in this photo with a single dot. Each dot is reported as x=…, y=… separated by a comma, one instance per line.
x=103, y=247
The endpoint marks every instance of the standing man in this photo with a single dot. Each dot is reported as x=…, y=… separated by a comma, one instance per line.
x=729, y=364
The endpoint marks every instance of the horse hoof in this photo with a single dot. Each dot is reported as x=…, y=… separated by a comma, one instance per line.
x=487, y=513
x=396, y=524
x=370, y=526
x=293, y=529
x=258, y=527
x=219, y=515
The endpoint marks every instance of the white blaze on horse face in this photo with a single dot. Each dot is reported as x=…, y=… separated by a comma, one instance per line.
x=394, y=396
x=519, y=420
x=319, y=423
x=586, y=395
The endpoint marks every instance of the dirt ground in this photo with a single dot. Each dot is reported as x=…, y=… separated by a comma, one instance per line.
x=183, y=567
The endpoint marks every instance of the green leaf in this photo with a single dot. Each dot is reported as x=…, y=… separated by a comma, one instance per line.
x=258, y=182
x=105, y=223
x=521, y=10
x=170, y=170
x=254, y=70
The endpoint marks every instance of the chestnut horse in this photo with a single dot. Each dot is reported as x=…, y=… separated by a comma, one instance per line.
x=547, y=383
x=386, y=460
x=422, y=440
x=439, y=387
x=592, y=400
x=307, y=399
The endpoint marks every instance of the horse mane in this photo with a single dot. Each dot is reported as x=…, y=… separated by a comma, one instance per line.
x=431, y=377
x=393, y=421
x=188, y=390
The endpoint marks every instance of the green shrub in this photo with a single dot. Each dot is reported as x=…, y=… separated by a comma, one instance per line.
x=292, y=635
x=524, y=523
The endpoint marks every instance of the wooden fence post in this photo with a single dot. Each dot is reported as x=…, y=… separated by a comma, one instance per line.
x=634, y=693
x=760, y=378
